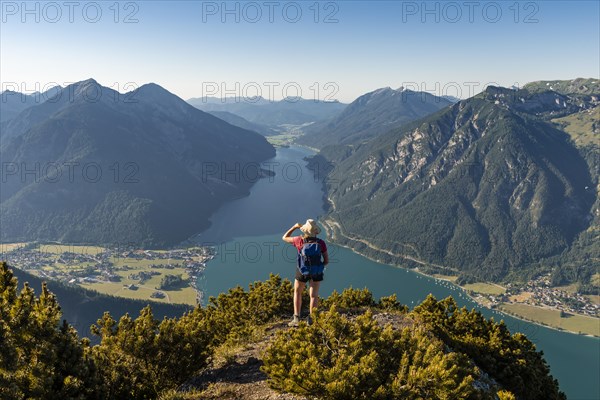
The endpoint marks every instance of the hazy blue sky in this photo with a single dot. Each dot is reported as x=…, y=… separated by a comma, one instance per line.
x=343, y=48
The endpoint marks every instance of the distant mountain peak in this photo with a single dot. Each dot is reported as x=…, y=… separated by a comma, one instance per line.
x=86, y=84
x=151, y=86
x=543, y=100
x=288, y=111
x=154, y=91
x=581, y=86
x=89, y=81
x=86, y=90
x=382, y=90
x=156, y=94
x=293, y=99
x=372, y=114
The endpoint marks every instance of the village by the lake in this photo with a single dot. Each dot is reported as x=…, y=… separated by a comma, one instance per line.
x=561, y=307
x=160, y=275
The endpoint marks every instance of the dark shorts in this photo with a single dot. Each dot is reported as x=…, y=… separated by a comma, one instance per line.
x=303, y=278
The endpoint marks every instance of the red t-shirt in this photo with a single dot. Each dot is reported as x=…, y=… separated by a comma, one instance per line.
x=298, y=243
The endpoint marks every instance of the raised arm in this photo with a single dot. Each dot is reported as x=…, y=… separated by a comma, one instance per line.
x=287, y=236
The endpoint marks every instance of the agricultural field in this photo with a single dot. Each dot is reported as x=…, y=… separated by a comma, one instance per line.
x=485, y=288
x=125, y=268
x=6, y=247
x=281, y=140
x=545, y=316
x=77, y=249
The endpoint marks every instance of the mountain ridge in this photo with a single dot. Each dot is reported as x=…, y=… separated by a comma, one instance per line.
x=370, y=115
x=295, y=111
x=13, y=102
x=433, y=189
x=98, y=160
x=241, y=122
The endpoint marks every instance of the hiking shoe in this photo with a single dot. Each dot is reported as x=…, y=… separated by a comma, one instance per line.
x=295, y=321
x=309, y=320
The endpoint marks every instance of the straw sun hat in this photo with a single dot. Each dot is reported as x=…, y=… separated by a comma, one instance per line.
x=310, y=228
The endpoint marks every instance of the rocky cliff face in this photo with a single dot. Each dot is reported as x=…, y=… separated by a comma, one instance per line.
x=485, y=187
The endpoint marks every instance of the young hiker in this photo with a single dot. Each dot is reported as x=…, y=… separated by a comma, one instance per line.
x=312, y=258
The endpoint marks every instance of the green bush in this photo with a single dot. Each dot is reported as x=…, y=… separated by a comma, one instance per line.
x=350, y=298
x=40, y=358
x=505, y=395
x=512, y=360
x=336, y=358
x=237, y=312
x=139, y=358
x=390, y=303
x=362, y=298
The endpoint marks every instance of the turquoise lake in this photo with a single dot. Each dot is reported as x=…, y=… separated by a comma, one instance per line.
x=247, y=235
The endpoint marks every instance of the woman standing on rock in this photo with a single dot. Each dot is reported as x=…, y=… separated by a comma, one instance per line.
x=312, y=259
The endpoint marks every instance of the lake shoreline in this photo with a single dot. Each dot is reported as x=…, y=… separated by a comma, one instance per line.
x=522, y=318
x=331, y=237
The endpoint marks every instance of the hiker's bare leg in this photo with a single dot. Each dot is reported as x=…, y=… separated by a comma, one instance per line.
x=298, y=289
x=314, y=295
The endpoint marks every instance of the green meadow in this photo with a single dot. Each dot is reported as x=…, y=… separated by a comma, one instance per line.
x=569, y=322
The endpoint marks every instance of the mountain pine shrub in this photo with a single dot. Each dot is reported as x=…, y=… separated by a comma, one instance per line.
x=339, y=358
